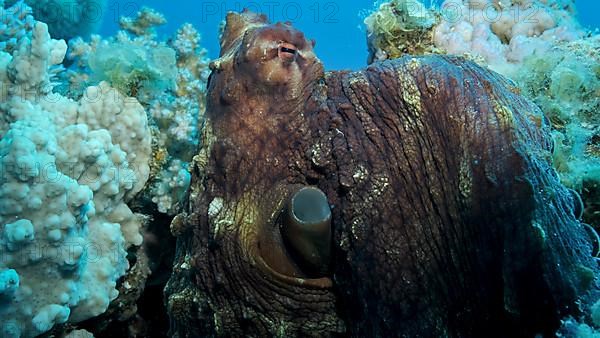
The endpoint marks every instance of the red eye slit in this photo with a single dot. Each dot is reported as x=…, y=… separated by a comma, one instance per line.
x=287, y=52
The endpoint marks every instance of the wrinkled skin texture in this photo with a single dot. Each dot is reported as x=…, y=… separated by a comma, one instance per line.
x=447, y=218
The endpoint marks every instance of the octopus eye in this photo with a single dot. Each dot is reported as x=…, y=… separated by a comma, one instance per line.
x=306, y=230
x=287, y=52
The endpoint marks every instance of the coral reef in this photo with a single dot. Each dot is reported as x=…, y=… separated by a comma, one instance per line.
x=67, y=169
x=79, y=148
x=565, y=82
x=66, y=19
x=504, y=33
x=432, y=175
x=16, y=22
x=400, y=27
x=499, y=34
x=144, y=23
x=134, y=70
x=171, y=186
x=79, y=334
x=169, y=79
x=84, y=141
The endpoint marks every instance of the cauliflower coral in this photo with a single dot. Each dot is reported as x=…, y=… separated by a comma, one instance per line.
x=67, y=169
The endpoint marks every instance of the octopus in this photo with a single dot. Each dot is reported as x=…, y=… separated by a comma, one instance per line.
x=413, y=198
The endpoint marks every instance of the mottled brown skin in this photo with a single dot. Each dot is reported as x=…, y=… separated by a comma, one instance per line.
x=447, y=216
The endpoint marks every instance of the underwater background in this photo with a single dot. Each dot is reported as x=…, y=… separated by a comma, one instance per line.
x=101, y=121
x=337, y=26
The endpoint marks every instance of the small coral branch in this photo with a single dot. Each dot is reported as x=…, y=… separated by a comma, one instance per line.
x=144, y=24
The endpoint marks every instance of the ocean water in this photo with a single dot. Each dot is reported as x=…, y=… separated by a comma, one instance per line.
x=337, y=26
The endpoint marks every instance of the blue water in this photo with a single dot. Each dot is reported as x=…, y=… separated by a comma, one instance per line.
x=335, y=25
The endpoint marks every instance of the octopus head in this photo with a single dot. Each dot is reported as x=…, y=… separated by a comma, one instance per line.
x=267, y=59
